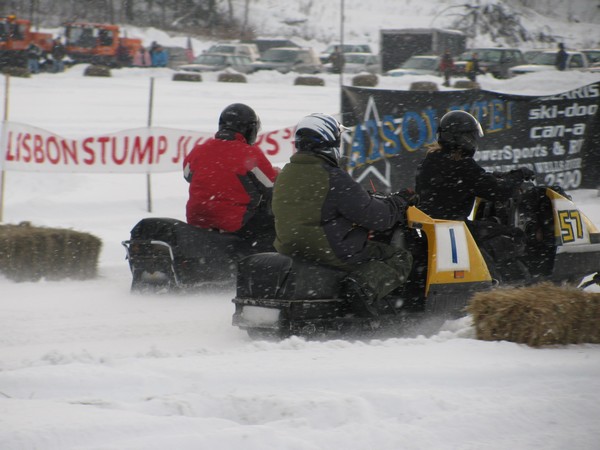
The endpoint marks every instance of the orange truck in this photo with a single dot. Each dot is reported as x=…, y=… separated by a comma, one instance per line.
x=15, y=37
x=99, y=44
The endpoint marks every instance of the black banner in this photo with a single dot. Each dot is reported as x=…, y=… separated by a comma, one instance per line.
x=557, y=136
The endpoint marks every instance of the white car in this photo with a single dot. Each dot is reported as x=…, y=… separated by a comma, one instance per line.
x=357, y=63
x=289, y=59
x=248, y=50
x=592, y=55
x=346, y=48
x=212, y=62
x=595, y=68
x=545, y=61
x=417, y=65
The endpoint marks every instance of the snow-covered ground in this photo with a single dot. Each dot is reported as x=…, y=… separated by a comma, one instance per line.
x=87, y=365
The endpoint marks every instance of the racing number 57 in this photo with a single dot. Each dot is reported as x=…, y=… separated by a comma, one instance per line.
x=571, y=227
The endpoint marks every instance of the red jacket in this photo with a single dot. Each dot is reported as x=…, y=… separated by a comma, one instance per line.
x=446, y=63
x=228, y=179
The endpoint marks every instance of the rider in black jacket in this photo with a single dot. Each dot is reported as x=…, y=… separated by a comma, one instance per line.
x=448, y=181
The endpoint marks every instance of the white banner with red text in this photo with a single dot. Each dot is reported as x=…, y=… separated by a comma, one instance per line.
x=140, y=150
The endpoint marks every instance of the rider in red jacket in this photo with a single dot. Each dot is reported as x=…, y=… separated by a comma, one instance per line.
x=231, y=180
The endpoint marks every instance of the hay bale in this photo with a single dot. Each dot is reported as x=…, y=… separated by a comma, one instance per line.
x=309, y=81
x=18, y=72
x=231, y=77
x=30, y=253
x=466, y=84
x=365, y=80
x=187, y=76
x=427, y=86
x=97, y=70
x=540, y=315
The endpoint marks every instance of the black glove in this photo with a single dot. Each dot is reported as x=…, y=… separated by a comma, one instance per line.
x=378, y=195
x=519, y=175
x=408, y=196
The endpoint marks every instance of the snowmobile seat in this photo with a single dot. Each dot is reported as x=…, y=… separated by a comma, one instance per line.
x=276, y=276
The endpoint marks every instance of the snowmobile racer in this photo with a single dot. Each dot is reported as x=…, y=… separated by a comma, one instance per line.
x=324, y=216
x=228, y=213
x=278, y=295
x=448, y=180
x=231, y=180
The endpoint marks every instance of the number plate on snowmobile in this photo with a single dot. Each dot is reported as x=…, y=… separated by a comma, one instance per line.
x=259, y=316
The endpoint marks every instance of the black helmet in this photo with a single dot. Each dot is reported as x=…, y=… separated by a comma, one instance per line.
x=242, y=119
x=319, y=133
x=459, y=130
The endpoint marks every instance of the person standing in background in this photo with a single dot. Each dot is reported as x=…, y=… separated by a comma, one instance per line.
x=472, y=68
x=337, y=60
x=561, y=57
x=159, y=56
x=58, y=54
x=141, y=58
x=34, y=53
x=447, y=67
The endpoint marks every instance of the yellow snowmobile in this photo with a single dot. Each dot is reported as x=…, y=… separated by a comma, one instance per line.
x=278, y=296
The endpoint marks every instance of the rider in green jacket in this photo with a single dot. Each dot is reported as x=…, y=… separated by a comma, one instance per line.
x=323, y=215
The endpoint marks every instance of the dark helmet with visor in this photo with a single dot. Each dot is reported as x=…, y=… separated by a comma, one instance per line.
x=459, y=130
x=241, y=119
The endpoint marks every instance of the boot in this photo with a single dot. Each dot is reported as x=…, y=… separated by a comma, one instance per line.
x=361, y=298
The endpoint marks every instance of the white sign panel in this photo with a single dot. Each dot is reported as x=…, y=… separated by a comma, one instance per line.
x=451, y=247
x=140, y=150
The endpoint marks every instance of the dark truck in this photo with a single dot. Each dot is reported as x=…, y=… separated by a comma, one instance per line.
x=396, y=46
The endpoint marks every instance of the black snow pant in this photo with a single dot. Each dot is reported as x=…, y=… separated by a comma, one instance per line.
x=258, y=232
x=385, y=269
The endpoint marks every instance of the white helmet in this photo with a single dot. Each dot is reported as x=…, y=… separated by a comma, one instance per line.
x=319, y=133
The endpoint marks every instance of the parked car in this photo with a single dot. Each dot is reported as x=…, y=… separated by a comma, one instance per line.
x=528, y=55
x=357, y=63
x=211, y=62
x=346, y=48
x=249, y=50
x=496, y=61
x=177, y=56
x=545, y=61
x=417, y=65
x=592, y=55
x=289, y=59
x=264, y=44
x=594, y=68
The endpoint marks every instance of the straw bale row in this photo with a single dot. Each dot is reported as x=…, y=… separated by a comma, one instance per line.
x=30, y=253
x=539, y=315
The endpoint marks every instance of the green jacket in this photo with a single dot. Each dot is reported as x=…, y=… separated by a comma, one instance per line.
x=322, y=214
